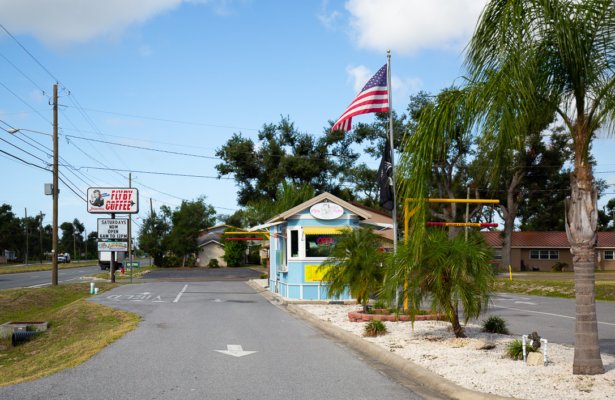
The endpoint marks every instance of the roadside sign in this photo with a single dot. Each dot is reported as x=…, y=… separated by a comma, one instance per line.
x=113, y=229
x=112, y=200
x=134, y=264
x=112, y=246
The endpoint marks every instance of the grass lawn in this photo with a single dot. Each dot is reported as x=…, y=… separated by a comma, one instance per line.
x=44, y=267
x=78, y=329
x=605, y=288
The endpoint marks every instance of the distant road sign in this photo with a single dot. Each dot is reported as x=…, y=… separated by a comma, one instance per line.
x=134, y=264
x=113, y=200
x=113, y=229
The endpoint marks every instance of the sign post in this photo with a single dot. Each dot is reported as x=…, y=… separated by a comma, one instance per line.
x=112, y=232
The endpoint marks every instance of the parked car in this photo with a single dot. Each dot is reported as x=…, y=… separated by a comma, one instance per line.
x=64, y=258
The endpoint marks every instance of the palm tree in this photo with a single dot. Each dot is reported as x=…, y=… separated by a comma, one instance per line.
x=355, y=264
x=450, y=272
x=558, y=51
x=528, y=55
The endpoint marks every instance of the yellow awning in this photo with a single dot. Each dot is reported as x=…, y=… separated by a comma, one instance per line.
x=324, y=230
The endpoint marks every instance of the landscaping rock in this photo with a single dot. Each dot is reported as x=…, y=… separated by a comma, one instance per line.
x=535, y=358
x=483, y=345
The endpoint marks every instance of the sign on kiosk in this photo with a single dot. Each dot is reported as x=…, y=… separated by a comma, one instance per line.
x=113, y=200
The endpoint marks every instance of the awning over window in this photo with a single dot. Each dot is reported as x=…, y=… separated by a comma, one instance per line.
x=324, y=230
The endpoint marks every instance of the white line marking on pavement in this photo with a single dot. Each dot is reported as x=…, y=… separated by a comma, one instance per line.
x=546, y=313
x=37, y=286
x=180, y=294
x=525, y=302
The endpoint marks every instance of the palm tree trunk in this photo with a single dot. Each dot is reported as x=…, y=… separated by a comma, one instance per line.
x=457, y=328
x=581, y=218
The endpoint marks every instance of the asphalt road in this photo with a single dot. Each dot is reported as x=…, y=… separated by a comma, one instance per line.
x=43, y=278
x=214, y=340
x=553, y=318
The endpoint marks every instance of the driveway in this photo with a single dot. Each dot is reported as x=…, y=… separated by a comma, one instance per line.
x=214, y=340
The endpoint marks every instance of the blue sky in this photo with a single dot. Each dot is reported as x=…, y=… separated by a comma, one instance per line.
x=183, y=76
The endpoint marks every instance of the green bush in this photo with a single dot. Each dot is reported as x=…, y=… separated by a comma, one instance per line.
x=234, y=252
x=559, y=266
x=213, y=263
x=375, y=328
x=514, y=349
x=381, y=304
x=495, y=324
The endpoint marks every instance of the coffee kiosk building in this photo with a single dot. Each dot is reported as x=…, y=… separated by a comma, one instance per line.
x=300, y=240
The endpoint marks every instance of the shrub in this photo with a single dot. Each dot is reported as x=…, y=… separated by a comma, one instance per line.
x=495, y=324
x=381, y=304
x=559, y=266
x=264, y=276
x=213, y=263
x=514, y=349
x=375, y=328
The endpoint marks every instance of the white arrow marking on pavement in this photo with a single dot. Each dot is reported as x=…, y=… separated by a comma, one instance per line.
x=158, y=299
x=235, y=350
x=525, y=302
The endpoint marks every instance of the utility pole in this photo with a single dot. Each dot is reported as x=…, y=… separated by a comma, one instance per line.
x=55, y=190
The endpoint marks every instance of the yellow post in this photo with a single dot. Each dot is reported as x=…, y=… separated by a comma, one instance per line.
x=510, y=272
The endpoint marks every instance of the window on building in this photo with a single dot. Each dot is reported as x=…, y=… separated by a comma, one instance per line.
x=497, y=254
x=319, y=245
x=544, y=254
x=294, y=243
x=609, y=254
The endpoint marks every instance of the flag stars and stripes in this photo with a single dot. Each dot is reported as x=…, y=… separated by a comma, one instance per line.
x=374, y=97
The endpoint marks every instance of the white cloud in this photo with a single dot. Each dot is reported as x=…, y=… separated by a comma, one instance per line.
x=359, y=76
x=64, y=22
x=407, y=26
x=328, y=18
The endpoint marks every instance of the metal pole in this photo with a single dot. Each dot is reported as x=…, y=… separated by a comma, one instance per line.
x=56, y=191
x=26, y=225
x=392, y=147
x=130, y=230
x=112, y=263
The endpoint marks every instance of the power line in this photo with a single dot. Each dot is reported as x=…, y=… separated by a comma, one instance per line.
x=153, y=172
x=143, y=148
x=22, y=73
x=30, y=54
x=24, y=102
x=175, y=121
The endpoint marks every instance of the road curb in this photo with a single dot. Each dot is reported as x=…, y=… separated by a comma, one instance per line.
x=421, y=376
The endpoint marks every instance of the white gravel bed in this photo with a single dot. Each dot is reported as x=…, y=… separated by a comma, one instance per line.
x=432, y=345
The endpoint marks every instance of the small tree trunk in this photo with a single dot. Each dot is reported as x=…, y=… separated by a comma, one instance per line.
x=510, y=213
x=581, y=219
x=457, y=328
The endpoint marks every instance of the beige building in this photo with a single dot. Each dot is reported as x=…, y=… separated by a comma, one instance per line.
x=539, y=251
x=211, y=245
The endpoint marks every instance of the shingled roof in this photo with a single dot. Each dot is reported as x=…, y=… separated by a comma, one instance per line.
x=544, y=239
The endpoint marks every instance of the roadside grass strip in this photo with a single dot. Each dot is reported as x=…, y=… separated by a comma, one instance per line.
x=43, y=267
x=78, y=330
x=605, y=289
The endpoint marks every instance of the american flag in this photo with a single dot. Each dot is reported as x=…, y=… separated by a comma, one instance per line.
x=374, y=97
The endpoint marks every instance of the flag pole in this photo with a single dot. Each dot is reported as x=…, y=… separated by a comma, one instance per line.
x=392, y=147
